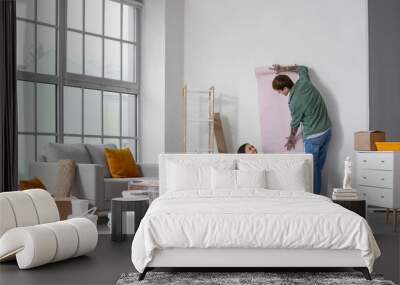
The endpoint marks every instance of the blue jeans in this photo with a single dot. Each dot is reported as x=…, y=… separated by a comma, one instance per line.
x=318, y=147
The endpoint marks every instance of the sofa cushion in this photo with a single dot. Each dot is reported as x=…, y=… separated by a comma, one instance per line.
x=34, y=183
x=65, y=178
x=121, y=163
x=97, y=155
x=77, y=152
x=41, y=158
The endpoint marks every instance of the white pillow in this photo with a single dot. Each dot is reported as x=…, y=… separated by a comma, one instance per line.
x=251, y=178
x=291, y=178
x=187, y=177
x=191, y=174
x=282, y=174
x=223, y=179
x=228, y=179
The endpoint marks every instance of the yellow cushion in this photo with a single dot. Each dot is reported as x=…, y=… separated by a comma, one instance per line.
x=35, y=182
x=121, y=163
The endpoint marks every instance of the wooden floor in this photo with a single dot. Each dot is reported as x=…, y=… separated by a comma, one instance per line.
x=102, y=266
x=110, y=260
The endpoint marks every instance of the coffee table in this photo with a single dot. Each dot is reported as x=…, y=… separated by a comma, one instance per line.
x=119, y=205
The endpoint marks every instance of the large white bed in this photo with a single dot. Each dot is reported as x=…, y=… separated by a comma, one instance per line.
x=247, y=211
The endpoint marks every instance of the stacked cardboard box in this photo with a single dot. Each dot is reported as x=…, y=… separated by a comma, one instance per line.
x=365, y=140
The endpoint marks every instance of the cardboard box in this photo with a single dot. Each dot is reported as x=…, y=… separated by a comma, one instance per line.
x=64, y=207
x=365, y=140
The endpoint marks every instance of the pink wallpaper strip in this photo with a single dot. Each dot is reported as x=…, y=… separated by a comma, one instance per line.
x=274, y=114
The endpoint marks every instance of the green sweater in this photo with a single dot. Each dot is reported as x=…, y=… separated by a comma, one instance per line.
x=307, y=106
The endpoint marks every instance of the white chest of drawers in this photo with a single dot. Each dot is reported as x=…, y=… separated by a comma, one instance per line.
x=378, y=178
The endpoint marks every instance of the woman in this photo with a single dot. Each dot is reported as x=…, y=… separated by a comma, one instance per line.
x=247, y=148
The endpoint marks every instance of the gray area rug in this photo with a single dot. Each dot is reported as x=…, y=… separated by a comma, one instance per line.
x=231, y=278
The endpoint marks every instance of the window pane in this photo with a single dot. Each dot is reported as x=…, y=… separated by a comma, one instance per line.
x=92, y=112
x=112, y=141
x=46, y=50
x=128, y=115
x=93, y=56
x=72, y=110
x=46, y=108
x=26, y=9
x=42, y=141
x=26, y=106
x=131, y=144
x=112, y=24
x=111, y=113
x=128, y=62
x=25, y=46
x=128, y=23
x=46, y=11
x=70, y=139
x=74, y=52
x=94, y=16
x=112, y=59
x=26, y=155
x=74, y=14
x=91, y=140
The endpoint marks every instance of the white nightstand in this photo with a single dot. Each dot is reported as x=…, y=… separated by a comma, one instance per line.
x=378, y=180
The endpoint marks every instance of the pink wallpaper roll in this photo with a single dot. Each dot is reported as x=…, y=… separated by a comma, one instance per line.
x=274, y=114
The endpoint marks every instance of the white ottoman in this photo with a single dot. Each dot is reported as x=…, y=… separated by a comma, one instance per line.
x=31, y=232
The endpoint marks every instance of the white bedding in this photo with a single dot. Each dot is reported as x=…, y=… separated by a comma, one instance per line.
x=251, y=218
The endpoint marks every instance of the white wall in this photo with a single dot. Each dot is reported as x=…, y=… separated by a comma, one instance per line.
x=152, y=91
x=162, y=78
x=225, y=40
x=174, y=17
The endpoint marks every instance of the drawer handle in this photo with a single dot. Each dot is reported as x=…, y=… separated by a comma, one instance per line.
x=364, y=177
x=364, y=194
x=382, y=161
x=364, y=160
x=383, y=179
x=382, y=196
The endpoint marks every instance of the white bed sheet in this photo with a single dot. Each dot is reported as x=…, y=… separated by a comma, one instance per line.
x=251, y=218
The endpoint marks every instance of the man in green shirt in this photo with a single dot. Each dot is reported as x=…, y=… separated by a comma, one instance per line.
x=308, y=108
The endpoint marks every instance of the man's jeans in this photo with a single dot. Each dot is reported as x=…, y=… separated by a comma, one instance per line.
x=318, y=147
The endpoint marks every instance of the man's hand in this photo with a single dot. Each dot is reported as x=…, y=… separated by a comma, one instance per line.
x=291, y=143
x=276, y=68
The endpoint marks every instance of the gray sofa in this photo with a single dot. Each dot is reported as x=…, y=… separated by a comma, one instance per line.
x=92, y=178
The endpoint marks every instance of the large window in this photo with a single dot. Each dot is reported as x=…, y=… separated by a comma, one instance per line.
x=101, y=41
x=77, y=74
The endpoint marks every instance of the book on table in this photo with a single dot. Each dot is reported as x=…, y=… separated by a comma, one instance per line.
x=344, y=194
